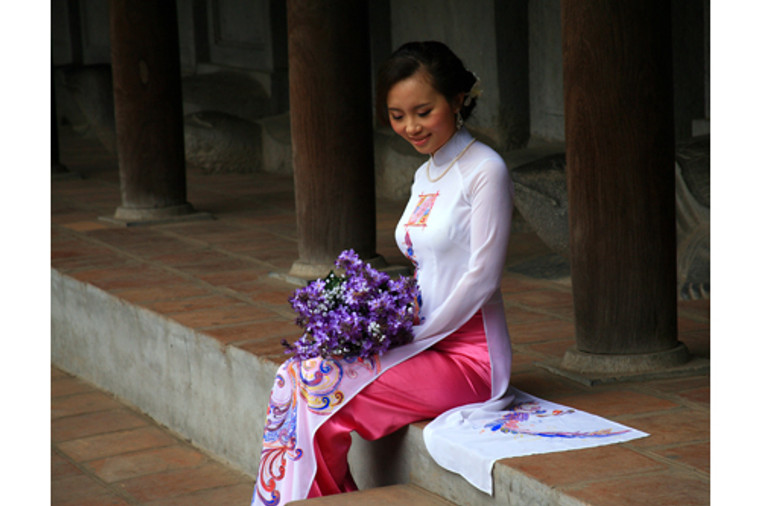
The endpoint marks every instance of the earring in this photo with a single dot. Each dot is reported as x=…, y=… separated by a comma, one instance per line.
x=460, y=120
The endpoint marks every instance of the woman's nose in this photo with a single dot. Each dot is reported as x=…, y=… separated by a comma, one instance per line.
x=413, y=127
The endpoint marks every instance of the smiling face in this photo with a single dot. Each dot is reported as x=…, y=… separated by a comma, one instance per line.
x=420, y=114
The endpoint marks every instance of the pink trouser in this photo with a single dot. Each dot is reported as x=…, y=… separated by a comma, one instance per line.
x=453, y=372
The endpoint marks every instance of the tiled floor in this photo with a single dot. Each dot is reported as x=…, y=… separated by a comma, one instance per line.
x=213, y=276
x=104, y=452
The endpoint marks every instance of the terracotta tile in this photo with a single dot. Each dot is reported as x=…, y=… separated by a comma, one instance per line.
x=548, y=330
x=85, y=226
x=512, y=283
x=89, y=262
x=72, y=248
x=76, y=489
x=686, y=324
x=108, y=499
x=161, y=292
x=81, y=403
x=190, y=256
x=204, y=228
x=517, y=315
x=662, y=489
x=179, y=482
x=700, y=395
x=257, y=240
x=191, y=304
x=122, y=467
x=90, y=424
x=138, y=278
x=232, y=277
x=115, y=443
x=578, y=466
x=693, y=426
x=288, y=254
x=233, y=494
x=60, y=467
x=67, y=386
x=695, y=455
x=677, y=385
x=155, y=245
x=226, y=315
x=268, y=347
x=697, y=342
x=129, y=275
x=262, y=291
x=542, y=298
x=617, y=402
x=221, y=266
x=555, y=349
x=523, y=359
x=545, y=385
x=254, y=331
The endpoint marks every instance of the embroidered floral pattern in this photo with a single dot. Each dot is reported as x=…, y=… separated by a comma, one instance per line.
x=409, y=253
x=524, y=418
x=317, y=383
x=421, y=213
x=279, y=435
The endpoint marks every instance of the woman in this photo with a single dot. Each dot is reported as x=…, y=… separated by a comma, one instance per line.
x=455, y=230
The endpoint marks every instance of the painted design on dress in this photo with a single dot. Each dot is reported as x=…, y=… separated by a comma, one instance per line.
x=320, y=380
x=524, y=417
x=421, y=213
x=317, y=382
x=280, y=441
x=409, y=253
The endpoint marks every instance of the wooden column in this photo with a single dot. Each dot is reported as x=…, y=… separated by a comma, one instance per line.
x=148, y=110
x=618, y=89
x=331, y=128
x=57, y=167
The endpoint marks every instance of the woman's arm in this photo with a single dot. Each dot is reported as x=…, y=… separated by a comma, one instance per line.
x=491, y=194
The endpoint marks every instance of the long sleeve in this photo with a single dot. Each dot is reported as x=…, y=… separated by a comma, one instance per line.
x=490, y=193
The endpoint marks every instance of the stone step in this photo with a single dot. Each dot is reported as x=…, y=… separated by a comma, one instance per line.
x=178, y=375
x=394, y=494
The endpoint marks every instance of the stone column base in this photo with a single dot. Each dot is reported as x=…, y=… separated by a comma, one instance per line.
x=591, y=368
x=583, y=362
x=127, y=216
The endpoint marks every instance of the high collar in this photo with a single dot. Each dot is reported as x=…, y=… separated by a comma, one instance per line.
x=451, y=149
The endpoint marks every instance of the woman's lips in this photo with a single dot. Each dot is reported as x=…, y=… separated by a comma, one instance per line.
x=420, y=141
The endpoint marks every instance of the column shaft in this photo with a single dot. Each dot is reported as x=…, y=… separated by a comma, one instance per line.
x=148, y=109
x=618, y=89
x=331, y=128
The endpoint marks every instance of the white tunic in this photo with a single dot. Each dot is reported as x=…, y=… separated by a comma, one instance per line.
x=455, y=230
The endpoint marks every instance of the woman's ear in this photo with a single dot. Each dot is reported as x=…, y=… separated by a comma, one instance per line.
x=456, y=104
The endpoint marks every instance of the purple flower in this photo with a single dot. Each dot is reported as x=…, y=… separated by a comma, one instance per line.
x=358, y=312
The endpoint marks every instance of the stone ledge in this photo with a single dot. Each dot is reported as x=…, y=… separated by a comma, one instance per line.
x=183, y=379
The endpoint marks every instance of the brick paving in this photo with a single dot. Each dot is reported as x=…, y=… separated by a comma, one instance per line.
x=213, y=276
x=105, y=452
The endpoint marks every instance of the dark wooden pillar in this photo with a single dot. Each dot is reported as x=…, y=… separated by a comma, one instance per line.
x=57, y=167
x=618, y=89
x=148, y=110
x=331, y=128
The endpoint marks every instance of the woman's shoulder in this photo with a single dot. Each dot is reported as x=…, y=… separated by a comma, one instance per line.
x=482, y=159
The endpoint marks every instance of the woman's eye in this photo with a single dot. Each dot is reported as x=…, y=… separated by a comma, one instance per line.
x=425, y=113
x=396, y=118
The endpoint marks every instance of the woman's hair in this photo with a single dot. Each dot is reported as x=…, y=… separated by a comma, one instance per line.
x=446, y=70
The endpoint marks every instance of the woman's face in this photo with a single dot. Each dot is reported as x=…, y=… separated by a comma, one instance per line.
x=420, y=114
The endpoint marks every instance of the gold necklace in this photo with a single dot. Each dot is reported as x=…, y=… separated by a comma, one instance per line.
x=450, y=165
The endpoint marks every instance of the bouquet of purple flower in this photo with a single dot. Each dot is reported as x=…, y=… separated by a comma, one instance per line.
x=358, y=313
